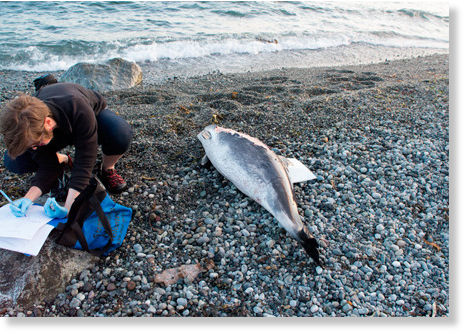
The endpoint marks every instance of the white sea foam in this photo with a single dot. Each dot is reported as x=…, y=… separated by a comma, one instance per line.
x=153, y=32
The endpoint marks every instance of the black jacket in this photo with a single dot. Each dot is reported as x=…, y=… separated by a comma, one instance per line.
x=74, y=108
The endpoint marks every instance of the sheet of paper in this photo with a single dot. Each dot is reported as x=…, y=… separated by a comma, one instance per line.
x=22, y=227
x=27, y=246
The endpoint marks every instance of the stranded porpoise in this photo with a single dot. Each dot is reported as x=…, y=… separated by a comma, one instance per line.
x=262, y=175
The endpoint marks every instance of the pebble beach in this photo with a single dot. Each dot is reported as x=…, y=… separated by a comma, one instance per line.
x=377, y=138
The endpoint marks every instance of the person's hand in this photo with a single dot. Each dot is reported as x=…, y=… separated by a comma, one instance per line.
x=20, y=206
x=54, y=210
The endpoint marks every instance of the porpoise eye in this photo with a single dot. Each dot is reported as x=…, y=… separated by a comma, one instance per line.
x=206, y=135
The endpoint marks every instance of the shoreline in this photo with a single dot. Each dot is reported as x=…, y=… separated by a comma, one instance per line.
x=21, y=81
x=377, y=137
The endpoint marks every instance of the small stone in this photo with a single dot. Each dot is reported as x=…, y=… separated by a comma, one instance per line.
x=111, y=287
x=270, y=243
x=182, y=301
x=396, y=264
x=87, y=287
x=218, y=232
x=288, y=279
x=131, y=285
x=314, y=308
x=401, y=243
x=80, y=296
x=75, y=303
x=138, y=248
x=376, y=195
x=347, y=307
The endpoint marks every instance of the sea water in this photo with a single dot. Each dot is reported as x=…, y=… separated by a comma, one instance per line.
x=190, y=38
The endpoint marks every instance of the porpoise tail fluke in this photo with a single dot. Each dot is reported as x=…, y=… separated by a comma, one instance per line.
x=310, y=245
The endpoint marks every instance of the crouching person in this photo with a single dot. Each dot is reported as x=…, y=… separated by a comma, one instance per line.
x=36, y=128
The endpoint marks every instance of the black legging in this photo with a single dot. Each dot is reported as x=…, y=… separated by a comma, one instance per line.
x=114, y=133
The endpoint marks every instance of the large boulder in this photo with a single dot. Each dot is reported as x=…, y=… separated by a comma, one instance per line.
x=114, y=74
x=28, y=280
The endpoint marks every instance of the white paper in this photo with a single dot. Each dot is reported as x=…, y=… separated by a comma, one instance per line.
x=22, y=227
x=27, y=246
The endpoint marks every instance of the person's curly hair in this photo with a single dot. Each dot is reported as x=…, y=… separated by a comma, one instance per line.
x=22, y=124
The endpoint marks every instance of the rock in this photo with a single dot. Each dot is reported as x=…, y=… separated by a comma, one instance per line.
x=27, y=280
x=75, y=303
x=114, y=74
x=80, y=296
x=138, y=248
x=257, y=310
x=131, y=285
x=182, y=301
x=186, y=271
x=396, y=264
x=347, y=307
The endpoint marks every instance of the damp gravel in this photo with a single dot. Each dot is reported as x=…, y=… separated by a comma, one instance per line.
x=376, y=136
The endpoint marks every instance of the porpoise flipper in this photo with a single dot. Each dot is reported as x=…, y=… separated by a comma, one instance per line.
x=297, y=172
x=205, y=161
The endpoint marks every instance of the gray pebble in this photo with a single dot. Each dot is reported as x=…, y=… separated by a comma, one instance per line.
x=75, y=303
x=181, y=301
x=138, y=248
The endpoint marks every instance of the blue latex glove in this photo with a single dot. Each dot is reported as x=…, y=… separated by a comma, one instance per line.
x=54, y=210
x=20, y=206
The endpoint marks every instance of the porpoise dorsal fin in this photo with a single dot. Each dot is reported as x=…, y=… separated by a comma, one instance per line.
x=297, y=172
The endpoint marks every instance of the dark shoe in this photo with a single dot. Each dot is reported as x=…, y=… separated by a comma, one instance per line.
x=112, y=181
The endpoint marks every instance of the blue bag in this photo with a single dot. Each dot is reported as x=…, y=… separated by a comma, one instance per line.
x=95, y=222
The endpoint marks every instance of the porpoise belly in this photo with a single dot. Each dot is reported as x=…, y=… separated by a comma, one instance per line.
x=262, y=178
